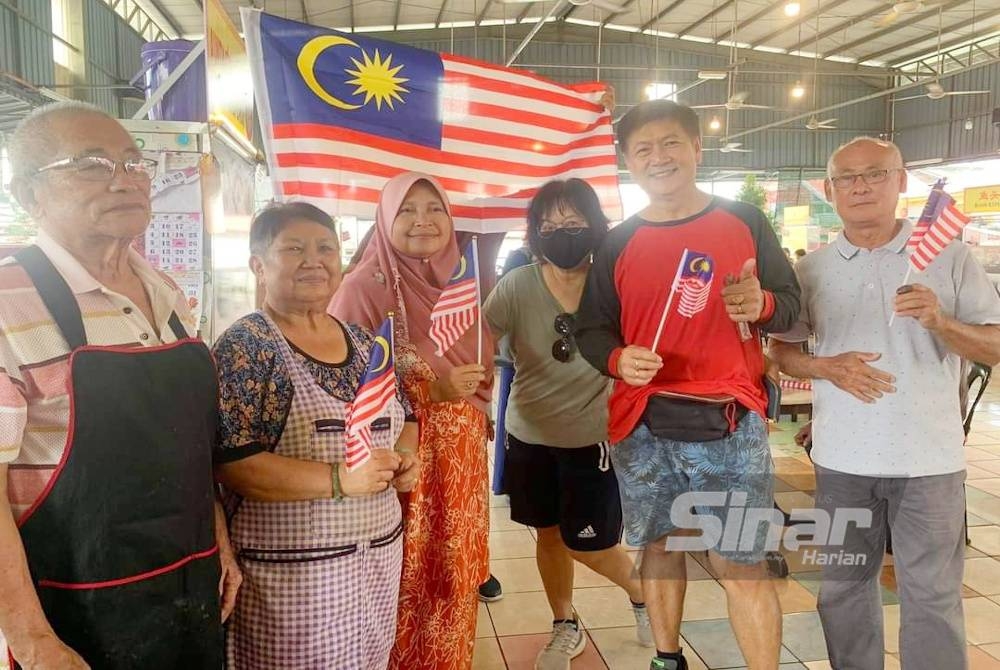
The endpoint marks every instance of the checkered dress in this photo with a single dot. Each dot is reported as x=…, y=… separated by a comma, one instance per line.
x=321, y=577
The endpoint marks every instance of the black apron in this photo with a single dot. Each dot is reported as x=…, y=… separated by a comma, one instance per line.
x=121, y=544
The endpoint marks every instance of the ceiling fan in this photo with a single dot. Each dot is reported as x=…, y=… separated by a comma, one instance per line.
x=904, y=7
x=814, y=123
x=603, y=4
x=935, y=91
x=730, y=147
x=736, y=101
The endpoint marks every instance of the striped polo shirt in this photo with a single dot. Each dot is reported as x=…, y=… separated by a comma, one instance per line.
x=34, y=357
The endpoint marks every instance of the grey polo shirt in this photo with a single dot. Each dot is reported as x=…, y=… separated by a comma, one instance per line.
x=847, y=301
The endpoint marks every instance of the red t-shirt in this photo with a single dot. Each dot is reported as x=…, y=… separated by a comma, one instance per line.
x=703, y=355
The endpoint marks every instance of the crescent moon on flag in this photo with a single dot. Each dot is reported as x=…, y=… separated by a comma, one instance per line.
x=462, y=267
x=382, y=344
x=307, y=67
x=698, y=263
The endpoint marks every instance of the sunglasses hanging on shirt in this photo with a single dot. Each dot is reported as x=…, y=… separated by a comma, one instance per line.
x=563, y=348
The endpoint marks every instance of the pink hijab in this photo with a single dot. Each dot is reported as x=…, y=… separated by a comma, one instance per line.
x=385, y=280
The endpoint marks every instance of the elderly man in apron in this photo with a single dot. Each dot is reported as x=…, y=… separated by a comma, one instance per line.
x=109, y=547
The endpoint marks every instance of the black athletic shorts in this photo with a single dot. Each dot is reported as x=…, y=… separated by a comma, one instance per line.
x=575, y=489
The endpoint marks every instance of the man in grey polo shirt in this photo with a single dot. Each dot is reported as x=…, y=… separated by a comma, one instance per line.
x=887, y=429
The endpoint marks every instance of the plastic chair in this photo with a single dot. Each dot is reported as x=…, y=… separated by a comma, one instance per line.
x=978, y=379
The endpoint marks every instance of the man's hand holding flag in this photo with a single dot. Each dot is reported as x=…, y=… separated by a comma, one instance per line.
x=939, y=224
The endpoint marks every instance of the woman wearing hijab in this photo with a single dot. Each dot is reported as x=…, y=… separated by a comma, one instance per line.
x=412, y=254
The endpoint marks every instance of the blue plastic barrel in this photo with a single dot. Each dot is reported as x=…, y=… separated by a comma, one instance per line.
x=187, y=99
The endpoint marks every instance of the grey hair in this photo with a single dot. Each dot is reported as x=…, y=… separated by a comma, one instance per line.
x=885, y=144
x=32, y=143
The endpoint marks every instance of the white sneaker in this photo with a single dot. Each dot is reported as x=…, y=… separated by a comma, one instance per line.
x=643, y=631
x=566, y=644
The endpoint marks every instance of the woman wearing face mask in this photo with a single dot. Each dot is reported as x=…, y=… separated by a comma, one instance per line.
x=558, y=468
x=412, y=254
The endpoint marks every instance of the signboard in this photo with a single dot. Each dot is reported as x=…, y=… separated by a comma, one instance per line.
x=985, y=199
x=227, y=70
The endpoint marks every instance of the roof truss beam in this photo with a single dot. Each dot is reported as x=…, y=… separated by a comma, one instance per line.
x=815, y=39
x=944, y=31
x=653, y=21
x=721, y=8
x=916, y=18
x=807, y=17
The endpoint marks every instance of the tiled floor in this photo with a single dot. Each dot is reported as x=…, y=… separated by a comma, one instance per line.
x=512, y=630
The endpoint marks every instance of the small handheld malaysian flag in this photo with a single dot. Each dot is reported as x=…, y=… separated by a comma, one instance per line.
x=695, y=283
x=457, y=308
x=946, y=225
x=378, y=388
x=930, y=213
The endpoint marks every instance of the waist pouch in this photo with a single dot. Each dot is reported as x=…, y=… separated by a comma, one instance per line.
x=690, y=418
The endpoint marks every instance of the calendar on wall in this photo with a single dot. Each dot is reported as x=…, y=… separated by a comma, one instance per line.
x=175, y=239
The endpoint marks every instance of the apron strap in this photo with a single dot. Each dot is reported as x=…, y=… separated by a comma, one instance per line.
x=55, y=293
x=176, y=326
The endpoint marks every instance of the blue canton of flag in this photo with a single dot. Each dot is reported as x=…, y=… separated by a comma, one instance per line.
x=378, y=388
x=337, y=75
x=694, y=283
x=458, y=305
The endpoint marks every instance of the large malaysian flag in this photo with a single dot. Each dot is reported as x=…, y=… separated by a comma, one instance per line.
x=343, y=113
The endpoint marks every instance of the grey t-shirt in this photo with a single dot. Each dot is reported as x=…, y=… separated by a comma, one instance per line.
x=551, y=403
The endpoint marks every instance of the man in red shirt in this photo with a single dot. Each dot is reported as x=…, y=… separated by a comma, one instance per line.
x=686, y=413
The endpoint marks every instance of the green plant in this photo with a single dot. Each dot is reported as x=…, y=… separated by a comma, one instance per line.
x=753, y=193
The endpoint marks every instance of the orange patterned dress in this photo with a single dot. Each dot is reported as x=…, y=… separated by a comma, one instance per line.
x=446, y=517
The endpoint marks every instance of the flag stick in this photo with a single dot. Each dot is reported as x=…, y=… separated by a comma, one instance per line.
x=909, y=269
x=479, y=301
x=670, y=299
x=392, y=335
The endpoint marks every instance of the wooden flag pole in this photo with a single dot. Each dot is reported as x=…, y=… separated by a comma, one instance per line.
x=909, y=269
x=479, y=300
x=670, y=299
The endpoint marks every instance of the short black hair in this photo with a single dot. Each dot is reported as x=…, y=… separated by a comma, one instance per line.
x=558, y=194
x=268, y=223
x=657, y=110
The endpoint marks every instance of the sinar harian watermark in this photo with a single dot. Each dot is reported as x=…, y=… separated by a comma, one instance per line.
x=742, y=525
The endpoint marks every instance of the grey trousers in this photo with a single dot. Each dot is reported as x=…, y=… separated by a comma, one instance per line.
x=926, y=516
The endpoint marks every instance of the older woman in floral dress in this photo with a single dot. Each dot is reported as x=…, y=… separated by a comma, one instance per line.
x=319, y=546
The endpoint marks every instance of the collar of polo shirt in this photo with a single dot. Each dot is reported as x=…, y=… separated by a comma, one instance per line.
x=896, y=245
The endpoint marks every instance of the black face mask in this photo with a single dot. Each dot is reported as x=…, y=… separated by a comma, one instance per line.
x=567, y=247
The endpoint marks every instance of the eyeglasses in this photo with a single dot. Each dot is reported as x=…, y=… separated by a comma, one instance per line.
x=871, y=177
x=548, y=232
x=98, y=168
x=563, y=348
